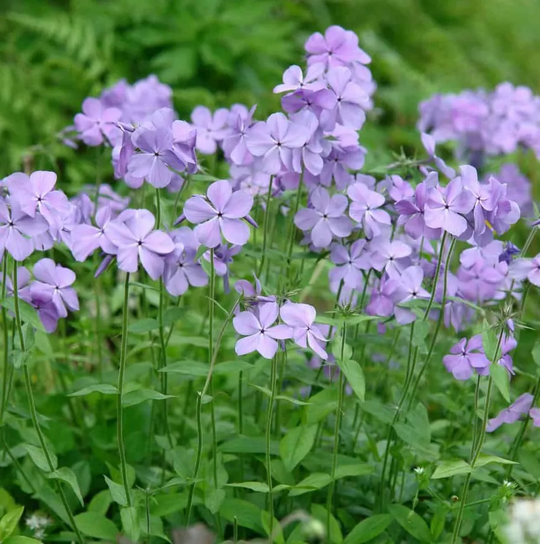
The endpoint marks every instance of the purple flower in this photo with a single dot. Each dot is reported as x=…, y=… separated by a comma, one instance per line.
x=325, y=219
x=53, y=283
x=181, y=267
x=23, y=280
x=411, y=213
x=351, y=100
x=211, y=129
x=85, y=239
x=466, y=357
x=156, y=156
x=510, y=250
x=221, y=212
x=259, y=331
x=409, y=287
x=446, y=209
x=234, y=143
x=511, y=414
x=336, y=48
x=135, y=239
x=535, y=415
x=97, y=123
x=36, y=193
x=364, y=209
x=223, y=257
x=350, y=263
x=310, y=154
x=301, y=318
x=293, y=79
x=47, y=311
x=274, y=141
x=16, y=230
x=389, y=256
x=382, y=298
x=526, y=268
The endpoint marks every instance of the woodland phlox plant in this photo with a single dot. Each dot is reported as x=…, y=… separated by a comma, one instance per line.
x=335, y=279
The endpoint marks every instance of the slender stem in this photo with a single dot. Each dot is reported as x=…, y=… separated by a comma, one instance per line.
x=337, y=426
x=411, y=359
x=266, y=223
x=5, y=346
x=212, y=295
x=269, y=417
x=200, y=399
x=120, y=396
x=521, y=433
x=33, y=411
x=481, y=436
x=290, y=234
x=437, y=327
x=436, y=279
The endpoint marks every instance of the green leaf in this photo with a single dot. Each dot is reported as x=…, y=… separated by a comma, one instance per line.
x=452, y=467
x=130, y=523
x=142, y=395
x=382, y=412
x=321, y=513
x=142, y=326
x=420, y=332
x=96, y=526
x=320, y=405
x=501, y=379
x=259, y=487
x=346, y=471
x=411, y=522
x=19, y=539
x=489, y=340
x=296, y=444
x=484, y=459
x=368, y=529
x=9, y=522
x=40, y=460
x=246, y=444
x=100, y=502
x=118, y=492
x=213, y=499
x=536, y=353
x=355, y=376
x=103, y=388
x=246, y=513
x=67, y=475
x=28, y=313
x=314, y=481
x=189, y=368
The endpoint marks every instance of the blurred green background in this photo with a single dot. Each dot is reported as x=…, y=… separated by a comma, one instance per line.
x=54, y=53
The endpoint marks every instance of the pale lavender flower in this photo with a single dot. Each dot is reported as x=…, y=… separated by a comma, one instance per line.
x=325, y=219
x=293, y=79
x=132, y=233
x=409, y=287
x=260, y=333
x=274, y=141
x=511, y=414
x=305, y=332
x=234, y=143
x=446, y=208
x=390, y=256
x=181, y=266
x=17, y=230
x=211, y=128
x=220, y=213
x=53, y=282
x=529, y=269
x=365, y=209
x=97, y=123
x=382, y=298
x=466, y=357
x=350, y=262
x=85, y=239
x=535, y=415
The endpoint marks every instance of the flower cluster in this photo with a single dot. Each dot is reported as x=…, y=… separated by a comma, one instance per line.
x=257, y=324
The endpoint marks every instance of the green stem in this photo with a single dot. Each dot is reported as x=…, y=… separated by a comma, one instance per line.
x=266, y=223
x=436, y=278
x=269, y=417
x=479, y=443
x=411, y=359
x=438, y=325
x=5, y=351
x=120, y=396
x=33, y=411
x=200, y=399
x=210, y=359
x=337, y=426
